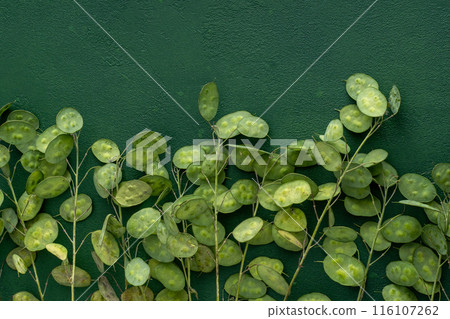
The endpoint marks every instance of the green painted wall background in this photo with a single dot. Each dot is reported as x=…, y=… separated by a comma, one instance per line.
x=52, y=56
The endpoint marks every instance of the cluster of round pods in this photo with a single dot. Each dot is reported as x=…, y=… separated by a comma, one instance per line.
x=181, y=230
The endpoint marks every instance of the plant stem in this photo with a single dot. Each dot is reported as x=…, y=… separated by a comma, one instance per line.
x=74, y=227
x=436, y=278
x=37, y=280
x=325, y=210
x=369, y=259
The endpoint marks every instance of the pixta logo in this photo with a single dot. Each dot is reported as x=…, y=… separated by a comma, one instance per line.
x=148, y=151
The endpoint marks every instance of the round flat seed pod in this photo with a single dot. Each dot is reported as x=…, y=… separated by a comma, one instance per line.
x=433, y=237
x=291, y=219
x=170, y=275
x=30, y=160
x=427, y=264
x=206, y=218
x=368, y=233
x=230, y=253
x=24, y=296
x=51, y=187
x=358, y=82
x=248, y=288
x=26, y=255
x=330, y=157
x=63, y=274
x=356, y=192
x=83, y=209
x=162, y=232
x=264, y=236
x=372, y=102
x=10, y=219
x=441, y=175
x=402, y=273
x=357, y=176
x=375, y=157
x=190, y=206
x=204, y=259
x=435, y=210
x=141, y=160
x=273, y=279
x=398, y=293
x=401, y=229
x=105, y=150
x=444, y=221
x=108, y=251
x=245, y=191
x=295, y=177
x=207, y=192
x=331, y=246
x=46, y=137
x=247, y=229
x=137, y=272
x=205, y=234
x=394, y=99
x=294, y=192
x=137, y=294
x=59, y=148
x=272, y=167
x=156, y=249
x=109, y=176
x=208, y=101
x=354, y=120
x=28, y=146
x=226, y=203
x=301, y=153
x=388, y=176
x=287, y=240
x=265, y=196
x=426, y=288
x=182, y=245
x=167, y=295
x=4, y=156
x=69, y=120
x=252, y=126
x=366, y=207
x=314, y=296
x=416, y=187
x=340, y=146
x=158, y=184
x=29, y=206
x=149, y=141
x=340, y=233
x=187, y=155
x=227, y=126
x=132, y=193
x=143, y=223
x=97, y=296
x=343, y=269
x=17, y=235
x=334, y=131
x=49, y=169
x=102, y=192
x=57, y=250
x=327, y=191
x=43, y=231
x=406, y=251
x=22, y=115
x=17, y=132
x=262, y=261
x=376, y=169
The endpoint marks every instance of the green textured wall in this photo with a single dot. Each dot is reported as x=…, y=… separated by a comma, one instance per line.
x=52, y=56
